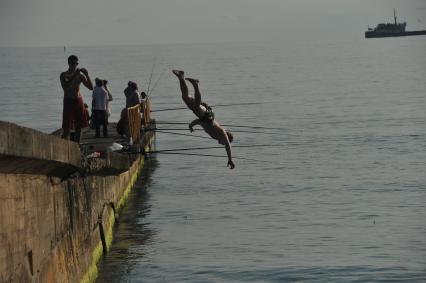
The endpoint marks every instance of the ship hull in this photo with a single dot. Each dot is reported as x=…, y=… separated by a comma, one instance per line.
x=373, y=34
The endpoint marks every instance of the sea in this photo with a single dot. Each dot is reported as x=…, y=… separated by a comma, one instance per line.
x=329, y=148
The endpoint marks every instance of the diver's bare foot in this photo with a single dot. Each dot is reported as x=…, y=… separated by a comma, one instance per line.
x=192, y=81
x=178, y=73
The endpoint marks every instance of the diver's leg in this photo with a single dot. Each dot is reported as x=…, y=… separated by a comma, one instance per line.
x=197, y=93
x=183, y=87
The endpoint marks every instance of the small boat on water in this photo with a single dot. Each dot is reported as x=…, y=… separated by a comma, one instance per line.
x=391, y=29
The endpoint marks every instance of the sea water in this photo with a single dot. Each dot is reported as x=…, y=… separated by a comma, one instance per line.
x=336, y=192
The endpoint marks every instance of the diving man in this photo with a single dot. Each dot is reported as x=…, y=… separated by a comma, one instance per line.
x=205, y=115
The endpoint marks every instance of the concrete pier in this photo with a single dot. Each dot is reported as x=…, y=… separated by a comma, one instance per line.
x=56, y=210
x=24, y=150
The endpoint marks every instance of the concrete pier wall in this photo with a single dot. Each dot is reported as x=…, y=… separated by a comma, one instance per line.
x=25, y=150
x=55, y=227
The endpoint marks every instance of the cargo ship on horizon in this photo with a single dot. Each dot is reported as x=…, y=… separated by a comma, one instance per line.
x=391, y=29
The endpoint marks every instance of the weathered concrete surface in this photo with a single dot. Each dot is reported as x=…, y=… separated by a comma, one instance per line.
x=54, y=229
x=24, y=150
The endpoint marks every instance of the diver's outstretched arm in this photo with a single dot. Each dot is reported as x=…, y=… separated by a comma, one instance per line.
x=193, y=123
x=227, y=144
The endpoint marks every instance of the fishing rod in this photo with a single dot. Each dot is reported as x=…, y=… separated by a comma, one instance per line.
x=172, y=123
x=102, y=142
x=222, y=105
x=150, y=77
x=211, y=147
x=174, y=151
x=156, y=82
x=226, y=125
x=143, y=152
x=221, y=156
x=168, y=109
x=234, y=131
x=180, y=134
x=244, y=103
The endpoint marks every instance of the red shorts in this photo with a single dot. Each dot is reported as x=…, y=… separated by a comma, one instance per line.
x=74, y=114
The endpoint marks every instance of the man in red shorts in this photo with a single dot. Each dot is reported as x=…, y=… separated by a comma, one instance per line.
x=74, y=113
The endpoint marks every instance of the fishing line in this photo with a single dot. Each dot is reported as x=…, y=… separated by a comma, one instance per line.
x=221, y=105
x=173, y=151
x=150, y=77
x=172, y=123
x=234, y=131
x=120, y=140
x=254, y=127
x=156, y=82
x=244, y=103
x=168, y=109
x=221, y=156
x=180, y=134
x=226, y=125
x=201, y=148
x=210, y=147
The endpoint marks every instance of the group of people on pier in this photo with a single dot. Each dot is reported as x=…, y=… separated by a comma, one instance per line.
x=75, y=112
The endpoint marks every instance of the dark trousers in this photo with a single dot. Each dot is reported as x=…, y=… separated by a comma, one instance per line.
x=100, y=118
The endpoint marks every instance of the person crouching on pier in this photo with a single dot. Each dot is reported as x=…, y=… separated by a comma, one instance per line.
x=73, y=109
x=100, y=108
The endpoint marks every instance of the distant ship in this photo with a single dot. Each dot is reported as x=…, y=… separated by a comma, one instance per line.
x=391, y=29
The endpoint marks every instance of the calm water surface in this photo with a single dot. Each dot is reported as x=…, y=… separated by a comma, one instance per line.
x=339, y=197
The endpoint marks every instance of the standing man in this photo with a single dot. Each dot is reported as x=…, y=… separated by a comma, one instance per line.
x=73, y=114
x=100, y=108
x=205, y=115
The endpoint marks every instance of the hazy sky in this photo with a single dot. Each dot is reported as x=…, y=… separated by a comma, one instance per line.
x=100, y=22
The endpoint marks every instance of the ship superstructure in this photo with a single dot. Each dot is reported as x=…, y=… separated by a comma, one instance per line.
x=391, y=29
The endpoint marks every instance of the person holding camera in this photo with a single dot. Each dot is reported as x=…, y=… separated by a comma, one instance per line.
x=73, y=114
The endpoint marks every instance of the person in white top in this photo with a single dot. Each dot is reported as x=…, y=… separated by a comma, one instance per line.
x=105, y=83
x=100, y=108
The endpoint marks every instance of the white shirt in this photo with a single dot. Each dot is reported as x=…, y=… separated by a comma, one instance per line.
x=100, y=98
